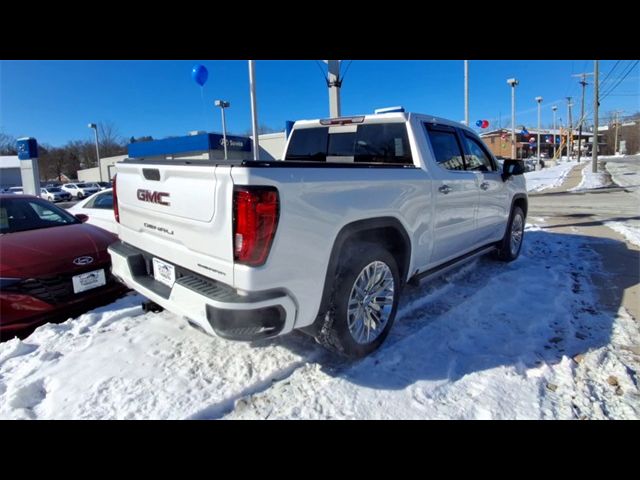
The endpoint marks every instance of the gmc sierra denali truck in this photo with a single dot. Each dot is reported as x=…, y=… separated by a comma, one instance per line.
x=323, y=240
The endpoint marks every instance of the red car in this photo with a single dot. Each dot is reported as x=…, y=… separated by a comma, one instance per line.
x=52, y=265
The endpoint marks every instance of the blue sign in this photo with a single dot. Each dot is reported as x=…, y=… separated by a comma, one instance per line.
x=192, y=144
x=288, y=126
x=27, y=148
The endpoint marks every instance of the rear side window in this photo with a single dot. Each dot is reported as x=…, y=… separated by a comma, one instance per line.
x=373, y=143
x=103, y=200
x=308, y=144
x=446, y=149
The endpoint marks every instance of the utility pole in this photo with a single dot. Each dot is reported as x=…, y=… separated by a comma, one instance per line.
x=513, y=82
x=335, y=82
x=596, y=104
x=466, y=92
x=539, y=100
x=570, y=131
x=555, y=150
x=584, y=83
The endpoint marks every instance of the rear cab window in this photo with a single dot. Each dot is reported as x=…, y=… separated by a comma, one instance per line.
x=446, y=147
x=374, y=143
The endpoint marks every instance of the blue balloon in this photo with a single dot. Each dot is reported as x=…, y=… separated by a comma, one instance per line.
x=479, y=123
x=200, y=74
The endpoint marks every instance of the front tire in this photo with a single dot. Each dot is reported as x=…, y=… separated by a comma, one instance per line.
x=511, y=243
x=364, y=301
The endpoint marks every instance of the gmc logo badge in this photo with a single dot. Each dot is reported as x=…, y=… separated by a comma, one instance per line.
x=152, y=197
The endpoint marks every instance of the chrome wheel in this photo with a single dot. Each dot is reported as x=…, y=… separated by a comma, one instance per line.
x=517, y=231
x=370, y=302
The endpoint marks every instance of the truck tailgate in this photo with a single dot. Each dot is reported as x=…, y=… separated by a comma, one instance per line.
x=179, y=213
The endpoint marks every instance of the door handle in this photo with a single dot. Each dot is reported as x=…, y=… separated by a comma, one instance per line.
x=444, y=189
x=484, y=186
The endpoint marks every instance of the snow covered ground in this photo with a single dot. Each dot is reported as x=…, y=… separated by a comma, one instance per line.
x=548, y=177
x=489, y=340
x=592, y=180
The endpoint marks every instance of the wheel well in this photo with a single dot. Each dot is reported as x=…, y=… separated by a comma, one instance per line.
x=389, y=238
x=386, y=231
x=522, y=203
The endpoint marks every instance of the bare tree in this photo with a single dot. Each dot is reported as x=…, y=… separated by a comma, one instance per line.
x=111, y=142
x=7, y=144
x=262, y=129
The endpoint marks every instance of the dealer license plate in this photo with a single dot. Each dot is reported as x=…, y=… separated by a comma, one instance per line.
x=89, y=280
x=164, y=272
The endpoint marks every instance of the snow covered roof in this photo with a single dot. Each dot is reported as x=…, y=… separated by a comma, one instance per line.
x=9, y=161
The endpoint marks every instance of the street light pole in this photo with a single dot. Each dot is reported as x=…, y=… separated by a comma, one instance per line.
x=223, y=105
x=539, y=100
x=95, y=130
x=555, y=150
x=513, y=82
x=254, y=109
x=466, y=92
x=570, y=131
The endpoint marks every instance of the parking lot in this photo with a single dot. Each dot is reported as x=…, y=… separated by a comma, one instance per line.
x=552, y=335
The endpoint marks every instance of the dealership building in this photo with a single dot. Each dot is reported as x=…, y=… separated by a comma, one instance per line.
x=195, y=146
x=10, y=172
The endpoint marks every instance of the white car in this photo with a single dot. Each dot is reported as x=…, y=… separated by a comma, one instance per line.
x=99, y=208
x=54, y=194
x=80, y=190
x=100, y=185
x=16, y=190
x=324, y=240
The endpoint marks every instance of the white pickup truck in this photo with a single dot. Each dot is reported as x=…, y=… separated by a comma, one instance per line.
x=323, y=240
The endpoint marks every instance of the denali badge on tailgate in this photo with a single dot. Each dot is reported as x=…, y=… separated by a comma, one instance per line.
x=152, y=197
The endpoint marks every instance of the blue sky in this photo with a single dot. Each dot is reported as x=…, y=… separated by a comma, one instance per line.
x=54, y=100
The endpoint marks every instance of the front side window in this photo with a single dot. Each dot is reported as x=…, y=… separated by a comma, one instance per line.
x=17, y=215
x=477, y=158
x=446, y=149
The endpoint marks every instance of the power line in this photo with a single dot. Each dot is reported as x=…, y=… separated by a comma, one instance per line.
x=610, y=71
x=324, y=75
x=344, y=75
x=629, y=70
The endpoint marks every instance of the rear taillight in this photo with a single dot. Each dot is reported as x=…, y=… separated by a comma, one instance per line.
x=116, y=210
x=255, y=219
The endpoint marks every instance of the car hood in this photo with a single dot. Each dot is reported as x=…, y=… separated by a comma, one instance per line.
x=51, y=251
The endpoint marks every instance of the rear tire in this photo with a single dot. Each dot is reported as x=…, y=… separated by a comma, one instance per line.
x=364, y=301
x=511, y=244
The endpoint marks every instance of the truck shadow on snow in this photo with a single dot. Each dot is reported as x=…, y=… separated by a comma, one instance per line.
x=487, y=314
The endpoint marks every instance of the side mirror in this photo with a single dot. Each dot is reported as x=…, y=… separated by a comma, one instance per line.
x=512, y=167
x=82, y=217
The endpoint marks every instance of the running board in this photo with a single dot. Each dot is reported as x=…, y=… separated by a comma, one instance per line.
x=451, y=264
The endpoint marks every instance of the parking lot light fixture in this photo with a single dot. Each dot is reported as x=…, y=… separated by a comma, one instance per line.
x=223, y=105
x=513, y=82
